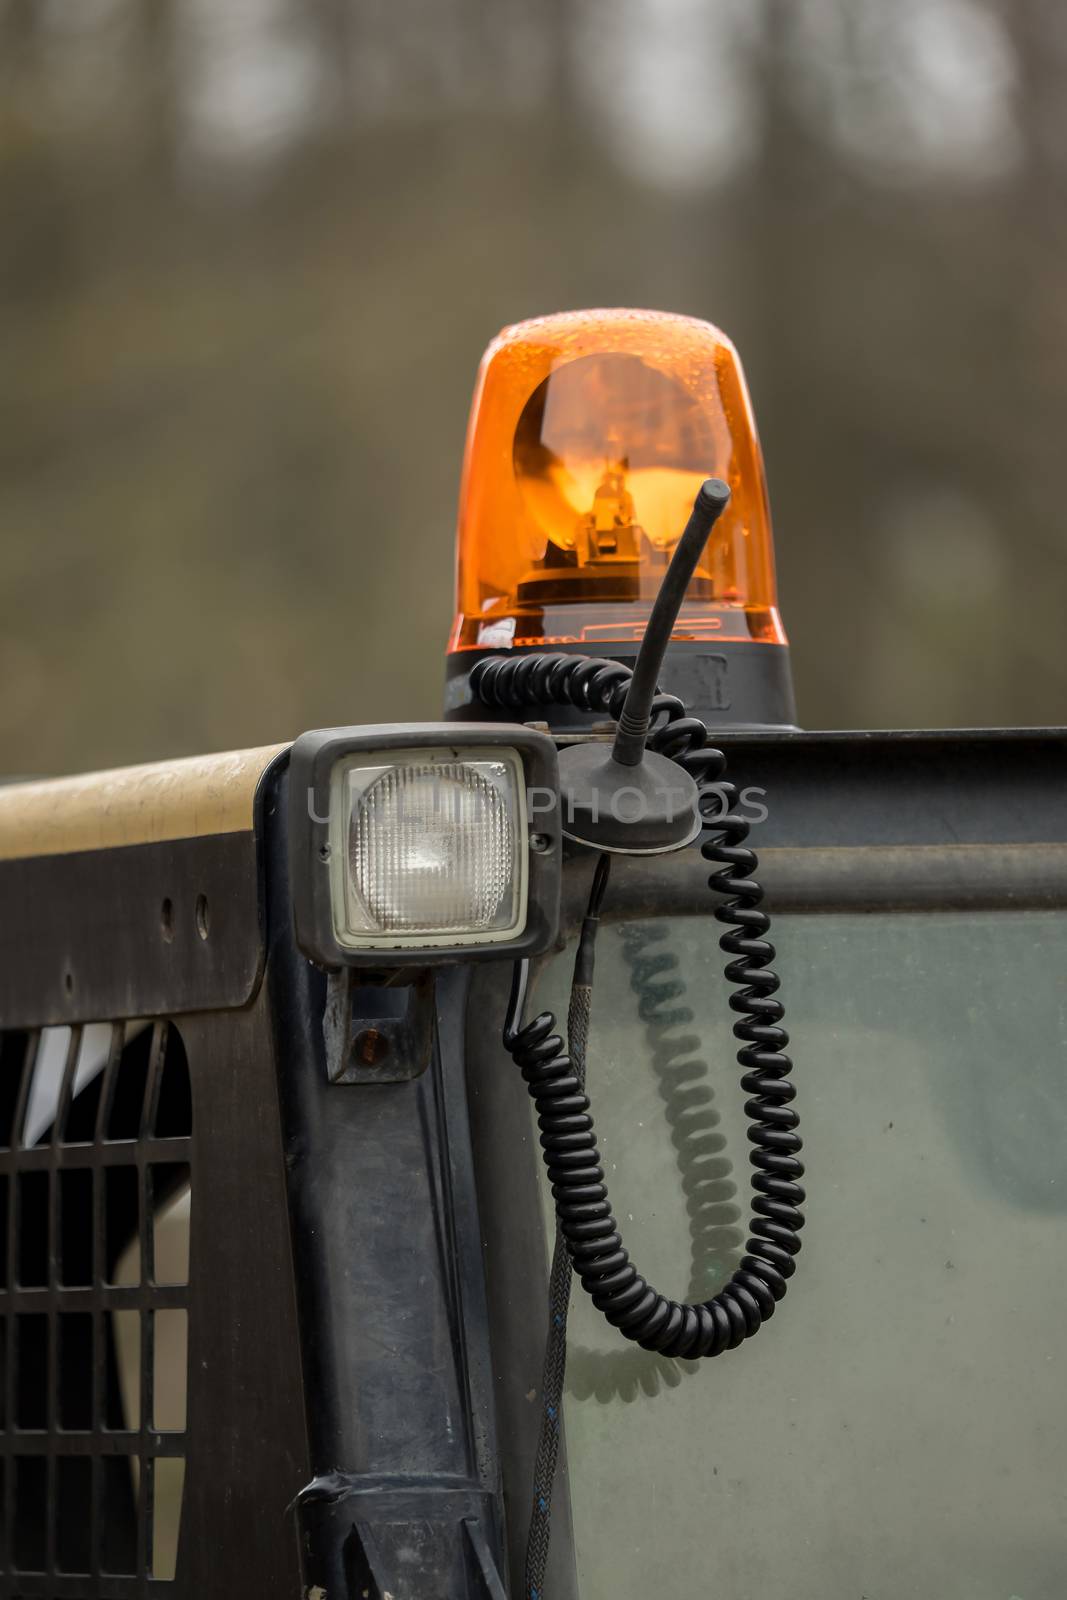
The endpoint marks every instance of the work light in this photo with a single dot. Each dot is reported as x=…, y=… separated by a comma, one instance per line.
x=410, y=845
x=427, y=847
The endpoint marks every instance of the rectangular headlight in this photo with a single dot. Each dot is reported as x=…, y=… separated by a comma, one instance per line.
x=431, y=841
x=428, y=846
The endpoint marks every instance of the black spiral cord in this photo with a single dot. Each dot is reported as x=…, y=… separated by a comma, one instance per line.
x=568, y=1139
x=556, y=1081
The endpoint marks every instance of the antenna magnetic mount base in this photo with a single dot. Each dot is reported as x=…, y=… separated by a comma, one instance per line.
x=645, y=810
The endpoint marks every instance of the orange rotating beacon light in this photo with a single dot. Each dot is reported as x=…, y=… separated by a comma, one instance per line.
x=590, y=434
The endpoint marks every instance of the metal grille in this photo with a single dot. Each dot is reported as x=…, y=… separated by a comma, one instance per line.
x=95, y=1171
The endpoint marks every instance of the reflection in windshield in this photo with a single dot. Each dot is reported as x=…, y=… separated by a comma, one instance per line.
x=689, y=1102
x=676, y=1061
x=900, y=1428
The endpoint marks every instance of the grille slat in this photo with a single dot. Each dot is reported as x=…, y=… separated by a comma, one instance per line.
x=115, y=1153
x=66, y=1087
x=79, y=1341
x=112, y=1297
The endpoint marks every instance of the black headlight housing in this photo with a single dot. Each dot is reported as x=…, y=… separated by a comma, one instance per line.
x=424, y=843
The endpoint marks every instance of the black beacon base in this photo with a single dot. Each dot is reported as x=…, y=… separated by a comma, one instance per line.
x=738, y=684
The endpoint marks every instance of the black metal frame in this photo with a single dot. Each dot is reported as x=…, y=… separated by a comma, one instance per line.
x=403, y=1494
x=63, y=1199
x=366, y=1294
x=236, y=1468
x=340, y=1428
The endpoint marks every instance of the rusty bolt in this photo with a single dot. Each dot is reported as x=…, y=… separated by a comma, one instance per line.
x=371, y=1047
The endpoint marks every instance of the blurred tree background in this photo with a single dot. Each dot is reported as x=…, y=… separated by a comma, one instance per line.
x=251, y=250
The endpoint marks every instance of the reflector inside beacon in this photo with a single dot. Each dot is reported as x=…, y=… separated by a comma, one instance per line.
x=608, y=456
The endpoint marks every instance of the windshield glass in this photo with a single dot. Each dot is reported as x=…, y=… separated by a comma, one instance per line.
x=900, y=1427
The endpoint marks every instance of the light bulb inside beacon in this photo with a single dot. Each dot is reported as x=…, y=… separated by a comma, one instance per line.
x=607, y=456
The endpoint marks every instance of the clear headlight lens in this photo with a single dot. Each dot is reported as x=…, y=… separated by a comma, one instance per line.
x=429, y=846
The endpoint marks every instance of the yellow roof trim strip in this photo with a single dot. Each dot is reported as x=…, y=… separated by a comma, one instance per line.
x=185, y=799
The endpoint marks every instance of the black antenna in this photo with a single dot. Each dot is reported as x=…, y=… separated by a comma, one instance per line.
x=712, y=499
x=630, y=799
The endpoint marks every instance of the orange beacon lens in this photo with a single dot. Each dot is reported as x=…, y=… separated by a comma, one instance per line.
x=590, y=434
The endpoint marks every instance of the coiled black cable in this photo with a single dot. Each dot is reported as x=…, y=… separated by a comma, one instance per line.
x=568, y=1138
